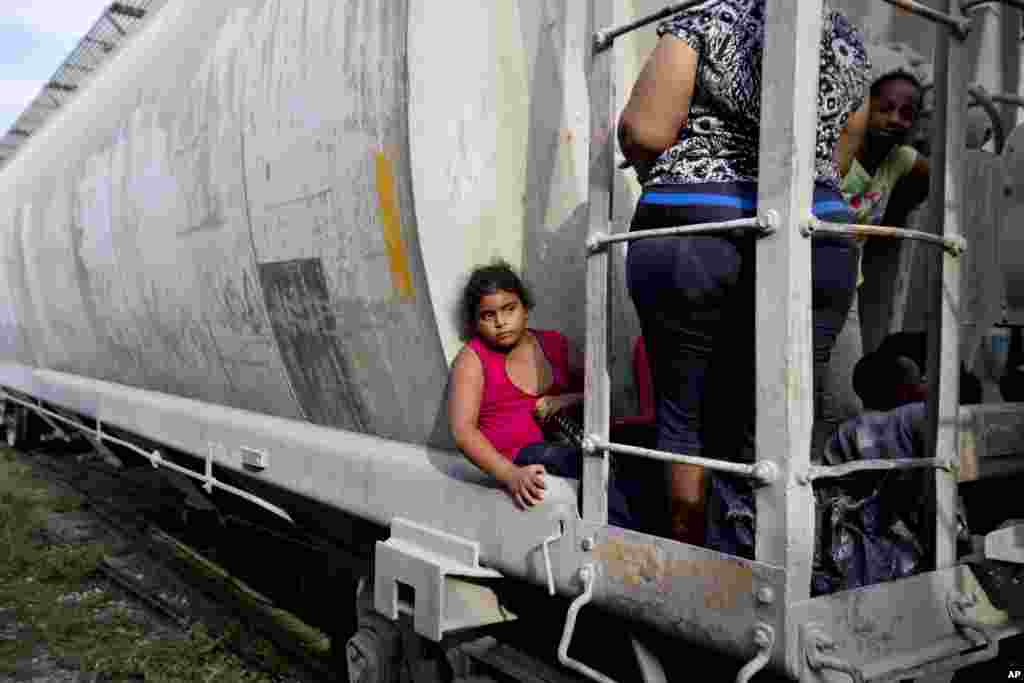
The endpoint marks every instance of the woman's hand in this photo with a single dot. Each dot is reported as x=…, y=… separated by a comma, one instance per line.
x=525, y=484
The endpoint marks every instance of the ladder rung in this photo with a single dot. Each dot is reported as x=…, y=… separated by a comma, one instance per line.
x=762, y=225
x=955, y=246
x=603, y=39
x=961, y=25
x=968, y=5
x=1007, y=98
x=835, y=471
x=764, y=471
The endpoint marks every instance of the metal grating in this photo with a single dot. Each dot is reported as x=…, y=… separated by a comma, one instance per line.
x=117, y=22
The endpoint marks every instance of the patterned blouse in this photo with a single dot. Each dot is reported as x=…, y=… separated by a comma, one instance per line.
x=719, y=142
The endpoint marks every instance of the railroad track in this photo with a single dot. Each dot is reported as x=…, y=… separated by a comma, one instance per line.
x=136, y=504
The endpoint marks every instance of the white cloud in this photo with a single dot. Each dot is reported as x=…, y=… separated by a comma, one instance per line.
x=59, y=17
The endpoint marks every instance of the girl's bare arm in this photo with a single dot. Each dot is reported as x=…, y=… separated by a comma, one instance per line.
x=852, y=137
x=525, y=484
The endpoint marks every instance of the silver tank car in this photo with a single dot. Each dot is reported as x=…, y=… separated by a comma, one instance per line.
x=245, y=240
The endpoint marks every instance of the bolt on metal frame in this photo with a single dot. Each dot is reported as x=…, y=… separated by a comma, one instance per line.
x=785, y=520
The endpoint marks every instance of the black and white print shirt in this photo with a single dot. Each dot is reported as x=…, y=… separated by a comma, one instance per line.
x=719, y=142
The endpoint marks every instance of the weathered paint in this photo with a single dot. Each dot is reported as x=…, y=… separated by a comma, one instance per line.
x=877, y=626
x=139, y=234
x=728, y=583
x=231, y=139
x=398, y=256
x=306, y=330
x=301, y=98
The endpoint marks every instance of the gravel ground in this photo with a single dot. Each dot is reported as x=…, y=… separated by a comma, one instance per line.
x=67, y=617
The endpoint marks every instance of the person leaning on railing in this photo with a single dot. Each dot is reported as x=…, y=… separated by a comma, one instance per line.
x=885, y=180
x=691, y=132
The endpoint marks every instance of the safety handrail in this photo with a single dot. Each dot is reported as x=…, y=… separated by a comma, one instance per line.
x=816, y=472
x=764, y=639
x=986, y=101
x=954, y=246
x=762, y=471
x=1007, y=98
x=968, y=5
x=605, y=37
x=960, y=25
x=586, y=575
x=156, y=459
x=762, y=225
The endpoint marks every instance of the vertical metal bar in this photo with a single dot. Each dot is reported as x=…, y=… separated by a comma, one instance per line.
x=784, y=342
x=943, y=338
x=597, y=385
x=1010, y=19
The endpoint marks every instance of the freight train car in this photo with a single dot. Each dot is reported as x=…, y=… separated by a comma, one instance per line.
x=237, y=253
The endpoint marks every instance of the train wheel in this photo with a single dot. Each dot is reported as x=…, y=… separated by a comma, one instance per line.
x=371, y=655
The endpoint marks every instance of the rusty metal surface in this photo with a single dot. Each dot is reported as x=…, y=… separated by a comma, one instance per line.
x=890, y=625
x=693, y=593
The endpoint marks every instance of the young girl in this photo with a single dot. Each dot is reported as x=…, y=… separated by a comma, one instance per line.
x=506, y=382
x=885, y=179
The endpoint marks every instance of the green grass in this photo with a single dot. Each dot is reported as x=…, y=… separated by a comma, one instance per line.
x=95, y=631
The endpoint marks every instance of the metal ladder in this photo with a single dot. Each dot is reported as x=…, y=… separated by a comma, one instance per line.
x=785, y=225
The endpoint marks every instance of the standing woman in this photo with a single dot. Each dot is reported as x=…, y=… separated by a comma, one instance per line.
x=691, y=132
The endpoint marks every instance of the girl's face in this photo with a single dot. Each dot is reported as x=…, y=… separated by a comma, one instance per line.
x=501, y=319
x=893, y=111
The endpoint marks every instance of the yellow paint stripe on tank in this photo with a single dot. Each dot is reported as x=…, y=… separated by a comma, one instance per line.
x=390, y=217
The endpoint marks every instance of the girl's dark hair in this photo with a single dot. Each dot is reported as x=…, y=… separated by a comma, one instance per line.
x=486, y=280
x=876, y=87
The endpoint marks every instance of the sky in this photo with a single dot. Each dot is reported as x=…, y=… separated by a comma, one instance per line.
x=35, y=37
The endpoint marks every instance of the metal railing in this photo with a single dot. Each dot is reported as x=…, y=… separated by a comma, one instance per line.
x=154, y=457
x=954, y=246
x=784, y=533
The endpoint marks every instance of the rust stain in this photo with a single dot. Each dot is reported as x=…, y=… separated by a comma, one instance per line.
x=968, y=456
x=727, y=584
x=398, y=256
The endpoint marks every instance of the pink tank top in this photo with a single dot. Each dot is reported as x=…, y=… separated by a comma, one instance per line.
x=506, y=411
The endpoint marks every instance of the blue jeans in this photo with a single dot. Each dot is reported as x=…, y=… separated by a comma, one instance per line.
x=695, y=299
x=565, y=461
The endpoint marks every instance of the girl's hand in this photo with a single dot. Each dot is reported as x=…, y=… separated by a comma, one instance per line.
x=547, y=406
x=526, y=485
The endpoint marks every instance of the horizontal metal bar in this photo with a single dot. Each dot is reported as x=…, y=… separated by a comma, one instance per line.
x=974, y=4
x=1007, y=98
x=154, y=457
x=981, y=96
x=961, y=25
x=762, y=225
x=605, y=37
x=954, y=246
x=815, y=472
x=765, y=472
